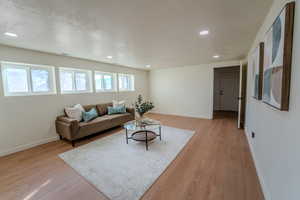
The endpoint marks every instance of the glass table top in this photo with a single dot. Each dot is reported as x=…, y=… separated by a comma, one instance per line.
x=143, y=124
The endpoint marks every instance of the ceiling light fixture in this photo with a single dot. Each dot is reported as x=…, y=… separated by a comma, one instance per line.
x=204, y=32
x=216, y=56
x=109, y=57
x=148, y=66
x=10, y=34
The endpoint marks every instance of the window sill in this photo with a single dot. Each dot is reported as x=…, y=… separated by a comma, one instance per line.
x=106, y=91
x=76, y=92
x=29, y=94
x=126, y=90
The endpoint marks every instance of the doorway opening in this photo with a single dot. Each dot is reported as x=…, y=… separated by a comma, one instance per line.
x=226, y=92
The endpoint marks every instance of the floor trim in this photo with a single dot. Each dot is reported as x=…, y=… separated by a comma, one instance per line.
x=258, y=171
x=28, y=146
x=180, y=115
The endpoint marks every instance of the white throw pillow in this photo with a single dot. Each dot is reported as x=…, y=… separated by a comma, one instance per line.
x=80, y=107
x=75, y=112
x=118, y=103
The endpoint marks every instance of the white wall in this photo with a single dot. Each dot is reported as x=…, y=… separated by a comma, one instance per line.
x=276, y=147
x=27, y=121
x=185, y=91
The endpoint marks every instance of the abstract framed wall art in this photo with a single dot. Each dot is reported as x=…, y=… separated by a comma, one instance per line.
x=257, y=65
x=278, y=58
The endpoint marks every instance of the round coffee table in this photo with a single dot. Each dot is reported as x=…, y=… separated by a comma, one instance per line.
x=142, y=130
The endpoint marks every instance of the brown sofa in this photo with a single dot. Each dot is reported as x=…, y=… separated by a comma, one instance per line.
x=72, y=130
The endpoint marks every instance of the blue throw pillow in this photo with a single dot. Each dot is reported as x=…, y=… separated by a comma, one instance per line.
x=116, y=110
x=88, y=116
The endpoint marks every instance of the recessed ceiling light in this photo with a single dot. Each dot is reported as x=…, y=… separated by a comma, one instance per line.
x=216, y=56
x=204, y=32
x=109, y=57
x=10, y=34
x=148, y=66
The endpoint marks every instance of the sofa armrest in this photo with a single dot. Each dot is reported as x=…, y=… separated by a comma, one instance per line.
x=66, y=119
x=131, y=111
x=66, y=127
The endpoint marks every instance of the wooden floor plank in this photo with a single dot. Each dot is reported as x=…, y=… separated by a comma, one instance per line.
x=215, y=165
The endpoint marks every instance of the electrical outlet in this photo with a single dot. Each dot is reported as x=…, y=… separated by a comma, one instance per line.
x=253, y=134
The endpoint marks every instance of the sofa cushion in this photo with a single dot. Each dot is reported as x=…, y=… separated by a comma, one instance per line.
x=90, y=115
x=102, y=108
x=108, y=119
x=119, y=119
x=74, y=112
x=95, y=121
x=94, y=126
x=89, y=107
x=116, y=110
x=118, y=103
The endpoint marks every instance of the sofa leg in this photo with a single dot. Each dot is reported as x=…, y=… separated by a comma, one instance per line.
x=60, y=137
x=73, y=143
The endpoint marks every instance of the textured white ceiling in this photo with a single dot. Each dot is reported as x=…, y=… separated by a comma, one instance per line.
x=162, y=33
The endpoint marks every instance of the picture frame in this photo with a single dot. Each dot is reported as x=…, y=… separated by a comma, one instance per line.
x=257, y=65
x=278, y=58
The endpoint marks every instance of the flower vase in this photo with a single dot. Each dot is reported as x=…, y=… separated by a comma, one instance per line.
x=140, y=119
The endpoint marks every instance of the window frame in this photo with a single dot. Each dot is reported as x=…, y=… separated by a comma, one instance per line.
x=73, y=71
x=114, y=81
x=28, y=68
x=132, y=78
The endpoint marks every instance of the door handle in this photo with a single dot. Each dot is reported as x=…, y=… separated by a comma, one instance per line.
x=240, y=98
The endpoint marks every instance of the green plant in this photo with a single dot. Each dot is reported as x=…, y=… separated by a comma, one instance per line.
x=143, y=107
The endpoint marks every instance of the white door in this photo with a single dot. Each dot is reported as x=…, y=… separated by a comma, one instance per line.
x=227, y=90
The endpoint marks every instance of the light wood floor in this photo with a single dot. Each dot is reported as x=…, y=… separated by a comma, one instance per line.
x=215, y=165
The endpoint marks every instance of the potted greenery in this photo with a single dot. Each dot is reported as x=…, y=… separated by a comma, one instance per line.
x=143, y=107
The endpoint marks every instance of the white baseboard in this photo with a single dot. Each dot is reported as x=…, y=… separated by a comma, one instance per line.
x=27, y=146
x=259, y=172
x=181, y=115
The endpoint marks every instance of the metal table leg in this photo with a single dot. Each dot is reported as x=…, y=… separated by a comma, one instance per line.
x=126, y=136
x=159, y=132
x=146, y=140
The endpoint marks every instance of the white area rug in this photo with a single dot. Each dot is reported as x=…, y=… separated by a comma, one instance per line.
x=125, y=171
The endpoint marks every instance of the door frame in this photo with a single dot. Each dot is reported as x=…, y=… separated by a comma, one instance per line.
x=241, y=64
x=243, y=95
